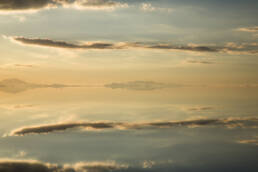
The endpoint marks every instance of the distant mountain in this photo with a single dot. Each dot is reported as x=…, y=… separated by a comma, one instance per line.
x=141, y=85
x=12, y=82
x=14, y=85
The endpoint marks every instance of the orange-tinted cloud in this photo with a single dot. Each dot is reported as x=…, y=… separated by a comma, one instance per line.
x=244, y=48
x=48, y=128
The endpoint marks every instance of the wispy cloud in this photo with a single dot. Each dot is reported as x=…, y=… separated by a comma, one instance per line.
x=251, y=122
x=17, y=66
x=252, y=30
x=95, y=166
x=24, y=65
x=248, y=29
x=21, y=154
x=148, y=7
x=202, y=108
x=200, y=62
x=35, y=5
x=148, y=164
x=244, y=48
x=18, y=106
x=252, y=141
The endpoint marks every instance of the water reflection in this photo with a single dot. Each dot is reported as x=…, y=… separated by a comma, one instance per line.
x=104, y=129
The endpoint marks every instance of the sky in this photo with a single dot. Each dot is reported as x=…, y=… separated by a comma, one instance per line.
x=128, y=85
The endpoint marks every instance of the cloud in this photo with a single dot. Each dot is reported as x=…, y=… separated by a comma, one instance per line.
x=25, y=166
x=104, y=45
x=253, y=30
x=148, y=7
x=18, y=106
x=24, y=106
x=21, y=154
x=196, y=48
x=140, y=85
x=16, y=86
x=204, y=108
x=62, y=127
x=200, y=62
x=13, y=165
x=95, y=167
x=37, y=166
x=16, y=66
x=48, y=128
x=25, y=4
x=34, y=5
x=252, y=141
x=63, y=44
x=148, y=164
x=24, y=65
x=248, y=29
x=97, y=4
x=243, y=48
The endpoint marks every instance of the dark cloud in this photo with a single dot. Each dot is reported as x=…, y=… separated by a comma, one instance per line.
x=229, y=123
x=13, y=5
x=15, y=85
x=24, y=4
x=244, y=48
x=25, y=166
x=103, y=45
x=36, y=166
x=189, y=48
x=62, y=127
x=140, y=85
x=63, y=44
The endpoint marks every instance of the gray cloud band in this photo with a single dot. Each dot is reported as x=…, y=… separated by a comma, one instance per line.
x=13, y=5
x=33, y=166
x=229, y=48
x=228, y=123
